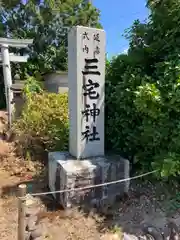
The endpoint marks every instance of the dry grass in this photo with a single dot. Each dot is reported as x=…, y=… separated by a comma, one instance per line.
x=14, y=164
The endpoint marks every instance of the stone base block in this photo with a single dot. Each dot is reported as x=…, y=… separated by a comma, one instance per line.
x=66, y=172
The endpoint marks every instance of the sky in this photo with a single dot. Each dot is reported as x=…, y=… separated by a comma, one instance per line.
x=116, y=16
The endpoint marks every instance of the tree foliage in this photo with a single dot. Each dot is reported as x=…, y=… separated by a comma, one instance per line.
x=143, y=92
x=47, y=23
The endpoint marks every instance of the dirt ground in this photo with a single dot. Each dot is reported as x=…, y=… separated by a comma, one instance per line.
x=148, y=203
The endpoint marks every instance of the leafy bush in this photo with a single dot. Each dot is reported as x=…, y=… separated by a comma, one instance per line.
x=143, y=115
x=44, y=123
x=122, y=119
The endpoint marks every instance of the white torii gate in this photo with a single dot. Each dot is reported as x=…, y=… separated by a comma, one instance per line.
x=6, y=58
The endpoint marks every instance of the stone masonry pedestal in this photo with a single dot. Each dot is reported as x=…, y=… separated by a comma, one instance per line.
x=66, y=172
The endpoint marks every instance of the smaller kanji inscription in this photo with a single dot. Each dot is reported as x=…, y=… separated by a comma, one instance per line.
x=96, y=37
x=85, y=35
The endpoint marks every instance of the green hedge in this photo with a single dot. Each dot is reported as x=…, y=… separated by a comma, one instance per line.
x=142, y=114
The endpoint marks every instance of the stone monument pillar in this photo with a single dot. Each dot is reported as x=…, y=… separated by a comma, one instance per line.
x=85, y=164
x=86, y=79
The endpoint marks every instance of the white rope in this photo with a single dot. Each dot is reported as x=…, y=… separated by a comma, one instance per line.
x=92, y=186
